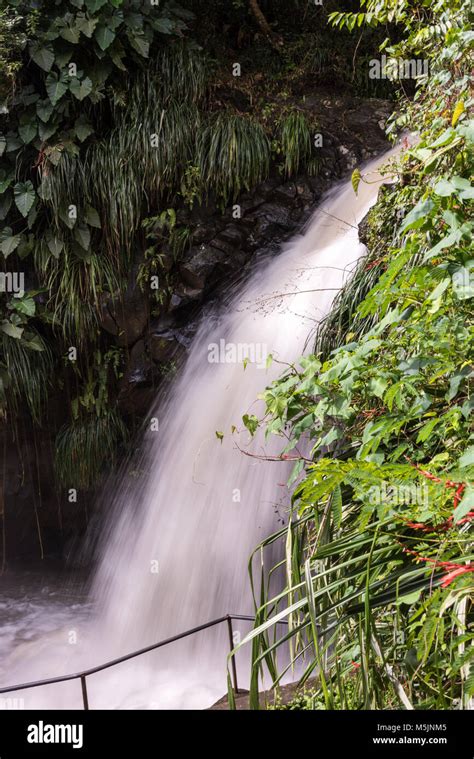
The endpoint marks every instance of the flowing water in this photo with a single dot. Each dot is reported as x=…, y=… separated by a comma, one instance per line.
x=188, y=516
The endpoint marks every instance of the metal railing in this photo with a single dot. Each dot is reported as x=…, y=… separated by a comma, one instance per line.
x=87, y=672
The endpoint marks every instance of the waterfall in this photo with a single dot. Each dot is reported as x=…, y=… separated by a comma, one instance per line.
x=187, y=519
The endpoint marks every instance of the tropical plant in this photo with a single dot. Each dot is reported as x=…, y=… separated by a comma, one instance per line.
x=378, y=595
x=233, y=153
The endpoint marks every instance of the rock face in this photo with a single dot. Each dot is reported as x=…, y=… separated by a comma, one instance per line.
x=221, y=245
x=156, y=335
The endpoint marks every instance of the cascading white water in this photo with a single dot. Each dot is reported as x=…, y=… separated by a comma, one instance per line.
x=179, y=542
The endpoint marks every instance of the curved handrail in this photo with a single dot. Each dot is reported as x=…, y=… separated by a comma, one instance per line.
x=113, y=662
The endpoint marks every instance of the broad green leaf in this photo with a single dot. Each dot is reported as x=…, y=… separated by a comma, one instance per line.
x=86, y=25
x=11, y=330
x=104, y=36
x=70, y=34
x=83, y=235
x=8, y=241
x=467, y=459
x=24, y=195
x=95, y=5
x=466, y=505
x=92, y=217
x=81, y=88
x=439, y=289
x=83, y=128
x=25, y=305
x=55, y=244
x=42, y=56
x=163, y=25
x=56, y=87
x=417, y=216
x=139, y=43
x=444, y=188
x=28, y=131
x=44, y=109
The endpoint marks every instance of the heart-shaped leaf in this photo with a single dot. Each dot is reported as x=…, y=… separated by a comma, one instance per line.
x=44, y=109
x=11, y=330
x=8, y=241
x=55, y=244
x=104, y=36
x=81, y=88
x=42, y=56
x=28, y=131
x=56, y=87
x=83, y=128
x=24, y=194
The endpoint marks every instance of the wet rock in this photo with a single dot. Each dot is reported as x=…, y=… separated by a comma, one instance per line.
x=185, y=296
x=285, y=193
x=139, y=366
x=206, y=265
x=125, y=316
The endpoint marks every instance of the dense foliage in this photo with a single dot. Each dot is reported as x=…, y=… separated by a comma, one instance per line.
x=379, y=548
x=110, y=120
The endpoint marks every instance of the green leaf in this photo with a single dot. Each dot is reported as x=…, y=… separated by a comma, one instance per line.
x=28, y=131
x=86, y=25
x=439, y=289
x=104, y=36
x=83, y=235
x=92, y=217
x=417, y=216
x=24, y=194
x=3, y=143
x=444, y=188
x=54, y=243
x=70, y=34
x=251, y=423
x=466, y=505
x=139, y=43
x=81, y=88
x=5, y=181
x=44, y=109
x=25, y=306
x=8, y=241
x=467, y=458
x=426, y=430
x=355, y=180
x=11, y=330
x=163, y=25
x=42, y=56
x=95, y=5
x=336, y=506
x=46, y=131
x=83, y=128
x=56, y=87
x=6, y=201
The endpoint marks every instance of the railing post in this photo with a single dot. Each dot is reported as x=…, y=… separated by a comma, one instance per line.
x=85, y=700
x=231, y=644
